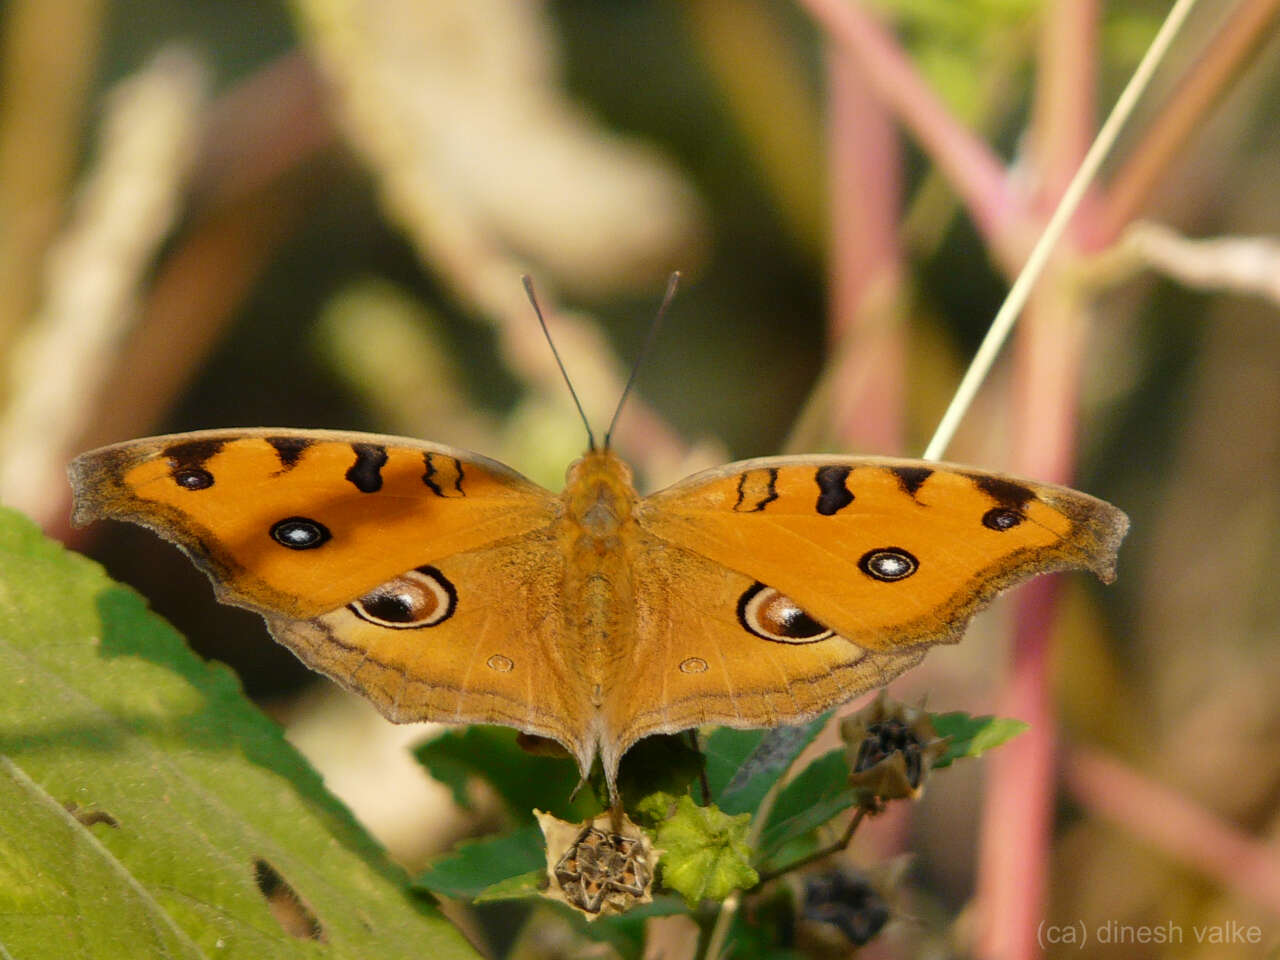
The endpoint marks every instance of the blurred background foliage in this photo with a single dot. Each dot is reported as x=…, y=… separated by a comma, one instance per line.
x=319, y=215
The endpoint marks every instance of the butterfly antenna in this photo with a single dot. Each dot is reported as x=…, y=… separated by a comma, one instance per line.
x=533, y=299
x=672, y=283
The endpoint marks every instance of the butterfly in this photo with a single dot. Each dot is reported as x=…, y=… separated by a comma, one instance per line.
x=445, y=586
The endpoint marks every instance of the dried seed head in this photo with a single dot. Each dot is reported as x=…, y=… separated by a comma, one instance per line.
x=891, y=748
x=846, y=901
x=598, y=867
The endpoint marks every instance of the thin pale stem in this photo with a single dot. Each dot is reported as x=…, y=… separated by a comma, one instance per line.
x=719, y=938
x=1007, y=315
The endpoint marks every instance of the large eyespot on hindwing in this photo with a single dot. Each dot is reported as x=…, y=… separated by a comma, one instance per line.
x=771, y=615
x=888, y=564
x=419, y=598
x=300, y=533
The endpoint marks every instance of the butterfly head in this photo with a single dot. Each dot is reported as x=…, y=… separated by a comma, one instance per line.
x=599, y=491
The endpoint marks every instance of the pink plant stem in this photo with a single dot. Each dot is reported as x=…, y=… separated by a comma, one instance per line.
x=1016, y=835
x=1250, y=24
x=1064, y=120
x=1174, y=825
x=866, y=188
x=868, y=397
x=973, y=169
x=1013, y=862
x=869, y=388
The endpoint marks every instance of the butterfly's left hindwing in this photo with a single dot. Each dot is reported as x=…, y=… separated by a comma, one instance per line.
x=488, y=645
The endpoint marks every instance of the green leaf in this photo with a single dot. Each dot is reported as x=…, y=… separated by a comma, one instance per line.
x=657, y=765
x=705, y=853
x=818, y=793
x=972, y=736
x=476, y=865
x=651, y=810
x=726, y=751
x=519, y=887
x=768, y=761
x=522, y=779
x=44, y=910
x=105, y=708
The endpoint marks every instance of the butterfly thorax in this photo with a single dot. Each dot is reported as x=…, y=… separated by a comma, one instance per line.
x=598, y=527
x=599, y=500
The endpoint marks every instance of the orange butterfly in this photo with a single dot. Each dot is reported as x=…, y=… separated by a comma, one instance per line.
x=445, y=586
